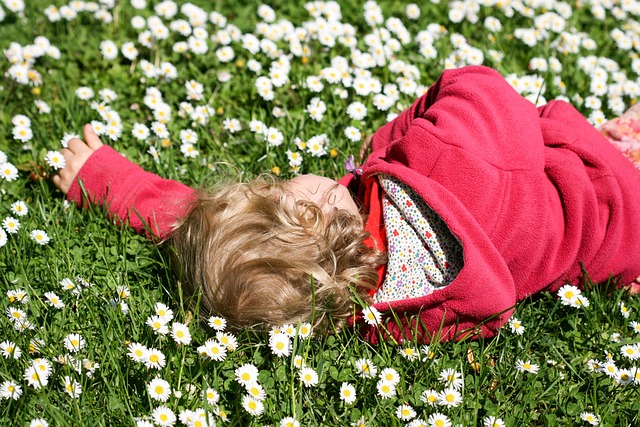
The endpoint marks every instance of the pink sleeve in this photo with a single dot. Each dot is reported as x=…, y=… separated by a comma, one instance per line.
x=148, y=203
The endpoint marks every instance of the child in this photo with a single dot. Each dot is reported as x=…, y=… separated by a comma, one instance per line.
x=475, y=198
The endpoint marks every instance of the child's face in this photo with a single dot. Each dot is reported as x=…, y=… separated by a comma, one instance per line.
x=324, y=192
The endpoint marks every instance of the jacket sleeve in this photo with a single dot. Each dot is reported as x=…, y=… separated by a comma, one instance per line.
x=146, y=202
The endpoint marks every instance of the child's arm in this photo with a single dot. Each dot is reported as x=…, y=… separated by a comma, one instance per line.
x=143, y=200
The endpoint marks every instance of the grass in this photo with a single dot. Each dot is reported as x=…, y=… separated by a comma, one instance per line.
x=123, y=267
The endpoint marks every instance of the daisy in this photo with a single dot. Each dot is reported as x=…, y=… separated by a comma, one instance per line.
x=635, y=326
x=430, y=397
x=492, y=421
x=123, y=291
x=215, y=350
x=450, y=397
x=40, y=237
x=109, y=49
x=405, y=412
x=74, y=342
x=353, y=133
x=10, y=350
x=158, y=325
x=55, y=160
x=84, y=93
x=366, y=368
x=232, y=125
x=189, y=151
x=624, y=310
x=304, y=330
x=357, y=110
x=274, y=137
x=256, y=391
x=180, y=333
x=371, y=315
x=252, y=405
x=38, y=422
x=516, y=326
x=452, y=378
x=289, y=329
x=22, y=133
x=19, y=208
x=53, y=300
x=163, y=416
x=212, y=396
x=3, y=237
x=159, y=389
x=567, y=292
x=67, y=284
x=298, y=362
x=590, y=418
x=90, y=367
x=347, y=393
x=390, y=376
x=630, y=351
x=410, y=353
x=163, y=312
x=18, y=295
x=10, y=224
x=43, y=107
x=385, y=390
x=438, y=420
x=227, y=340
x=247, y=374
x=21, y=120
x=289, y=422
x=527, y=366
x=280, y=345
x=308, y=376
x=578, y=301
x=217, y=323
x=594, y=365
x=35, y=379
x=8, y=171
x=43, y=366
x=10, y=390
x=154, y=359
x=624, y=377
x=140, y=131
x=16, y=315
x=72, y=387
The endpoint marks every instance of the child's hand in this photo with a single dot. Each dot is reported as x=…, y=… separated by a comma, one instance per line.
x=75, y=155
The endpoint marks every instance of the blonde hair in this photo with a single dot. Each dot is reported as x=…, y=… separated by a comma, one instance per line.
x=260, y=261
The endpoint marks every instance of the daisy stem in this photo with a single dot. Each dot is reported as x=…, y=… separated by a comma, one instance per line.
x=184, y=351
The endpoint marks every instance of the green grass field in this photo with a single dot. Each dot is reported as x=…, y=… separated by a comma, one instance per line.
x=155, y=77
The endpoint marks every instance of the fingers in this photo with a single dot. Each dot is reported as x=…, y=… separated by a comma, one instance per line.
x=76, y=146
x=92, y=139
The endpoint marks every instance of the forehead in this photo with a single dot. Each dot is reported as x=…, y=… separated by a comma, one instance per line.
x=311, y=182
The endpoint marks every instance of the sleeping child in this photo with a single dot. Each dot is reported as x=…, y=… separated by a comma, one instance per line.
x=470, y=200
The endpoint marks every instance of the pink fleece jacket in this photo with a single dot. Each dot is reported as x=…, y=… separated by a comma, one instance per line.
x=531, y=194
